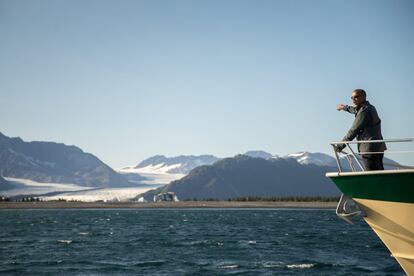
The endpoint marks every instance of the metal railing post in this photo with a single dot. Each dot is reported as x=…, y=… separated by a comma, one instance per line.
x=356, y=159
x=337, y=159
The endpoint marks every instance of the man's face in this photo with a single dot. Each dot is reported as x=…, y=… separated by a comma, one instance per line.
x=357, y=99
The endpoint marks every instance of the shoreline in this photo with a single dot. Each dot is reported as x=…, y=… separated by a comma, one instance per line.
x=168, y=205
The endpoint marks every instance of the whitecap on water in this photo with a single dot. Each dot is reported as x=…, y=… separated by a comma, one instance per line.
x=228, y=266
x=300, y=266
x=83, y=233
x=65, y=241
x=251, y=242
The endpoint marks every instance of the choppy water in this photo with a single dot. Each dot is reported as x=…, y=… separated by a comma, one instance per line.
x=189, y=242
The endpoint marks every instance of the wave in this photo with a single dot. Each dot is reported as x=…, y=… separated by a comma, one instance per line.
x=271, y=264
x=65, y=241
x=300, y=266
x=228, y=266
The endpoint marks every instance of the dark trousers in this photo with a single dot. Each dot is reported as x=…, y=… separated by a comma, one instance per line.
x=373, y=162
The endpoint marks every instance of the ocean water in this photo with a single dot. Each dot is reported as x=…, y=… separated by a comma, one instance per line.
x=189, y=242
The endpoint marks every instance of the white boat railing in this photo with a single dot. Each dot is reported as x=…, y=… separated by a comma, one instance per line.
x=353, y=155
x=347, y=209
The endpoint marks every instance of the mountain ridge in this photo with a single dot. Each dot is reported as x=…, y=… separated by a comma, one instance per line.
x=250, y=176
x=54, y=162
x=183, y=164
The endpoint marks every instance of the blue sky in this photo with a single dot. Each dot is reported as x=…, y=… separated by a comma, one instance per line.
x=126, y=80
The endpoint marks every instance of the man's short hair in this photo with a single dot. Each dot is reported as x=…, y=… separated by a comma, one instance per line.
x=361, y=92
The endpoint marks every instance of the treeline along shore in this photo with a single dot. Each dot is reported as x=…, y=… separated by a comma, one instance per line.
x=292, y=202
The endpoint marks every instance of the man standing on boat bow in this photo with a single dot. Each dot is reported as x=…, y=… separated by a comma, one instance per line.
x=366, y=126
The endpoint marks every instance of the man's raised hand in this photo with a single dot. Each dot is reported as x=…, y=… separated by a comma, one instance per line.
x=340, y=107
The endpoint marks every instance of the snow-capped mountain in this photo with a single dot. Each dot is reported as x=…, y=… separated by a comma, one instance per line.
x=317, y=158
x=161, y=170
x=51, y=162
x=51, y=170
x=182, y=164
x=259, y=154
x=304, y=157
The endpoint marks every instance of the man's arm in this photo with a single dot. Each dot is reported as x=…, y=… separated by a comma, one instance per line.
x=360, y=122
x=350, y=109
x=346, y=108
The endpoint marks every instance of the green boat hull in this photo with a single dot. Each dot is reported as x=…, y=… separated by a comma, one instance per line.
x=385, y=186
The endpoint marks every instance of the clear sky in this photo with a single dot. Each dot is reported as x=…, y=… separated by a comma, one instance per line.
x=126, y=80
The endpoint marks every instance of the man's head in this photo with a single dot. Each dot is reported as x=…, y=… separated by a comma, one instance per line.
x=359, y=96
